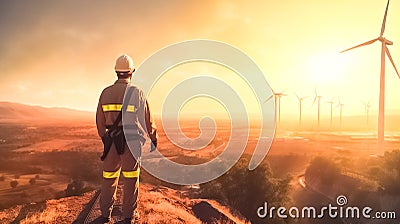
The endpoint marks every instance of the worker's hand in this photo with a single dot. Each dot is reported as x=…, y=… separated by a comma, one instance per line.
x=153, y=146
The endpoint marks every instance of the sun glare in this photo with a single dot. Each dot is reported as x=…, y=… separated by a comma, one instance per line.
x=326, y=69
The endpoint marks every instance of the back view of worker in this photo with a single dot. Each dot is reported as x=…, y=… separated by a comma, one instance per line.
x=119, y=159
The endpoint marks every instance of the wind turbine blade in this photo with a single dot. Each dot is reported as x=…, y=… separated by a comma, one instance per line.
x=360, y=45
x=298, y=96
x=391, y=60
x=269, y=98
x=384, y=19
x=316, y=95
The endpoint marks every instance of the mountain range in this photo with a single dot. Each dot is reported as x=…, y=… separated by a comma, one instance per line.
x=20, y=113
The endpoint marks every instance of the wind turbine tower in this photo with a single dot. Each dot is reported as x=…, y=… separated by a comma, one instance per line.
x=384, y=52
x=340, y=105
x=331, y=102
x=300, y=99
x=367, y=106
x=317, y=99
x=277, y=98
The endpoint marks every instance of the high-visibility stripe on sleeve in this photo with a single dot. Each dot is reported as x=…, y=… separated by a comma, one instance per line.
x=111, y=175
x=131, y=174
x=117, y=107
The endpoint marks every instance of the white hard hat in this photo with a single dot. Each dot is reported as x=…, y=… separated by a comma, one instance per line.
x=124, y=64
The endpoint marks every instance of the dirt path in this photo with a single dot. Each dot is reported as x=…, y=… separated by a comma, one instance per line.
x=92, y=209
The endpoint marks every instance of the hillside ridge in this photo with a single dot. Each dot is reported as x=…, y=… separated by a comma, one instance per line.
x=156, y=205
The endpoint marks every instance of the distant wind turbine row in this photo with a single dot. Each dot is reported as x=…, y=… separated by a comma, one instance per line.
x=317, y=99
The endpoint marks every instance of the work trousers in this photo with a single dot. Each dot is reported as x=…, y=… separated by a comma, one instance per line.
x=113, y=165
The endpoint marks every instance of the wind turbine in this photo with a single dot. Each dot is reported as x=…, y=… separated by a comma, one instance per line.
x=317, y=98
x=300, y=101
x=340, y=105
x=384, y=51
x=277, y=98
x=367, y=106
x=331, y=102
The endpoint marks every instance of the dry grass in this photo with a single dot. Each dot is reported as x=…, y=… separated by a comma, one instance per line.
x=59, y=211
x=156, y=208
x=156, y=205
x=228, y=212
x=49, y=216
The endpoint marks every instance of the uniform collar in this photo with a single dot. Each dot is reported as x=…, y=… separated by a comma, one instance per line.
x=123, y=81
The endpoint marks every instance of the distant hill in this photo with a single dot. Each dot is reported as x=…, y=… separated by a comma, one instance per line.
x=21, y=113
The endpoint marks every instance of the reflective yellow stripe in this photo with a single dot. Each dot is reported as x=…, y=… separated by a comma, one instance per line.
x=117, y=107
x=111, y=175
x=112, y=107
x=131, y=174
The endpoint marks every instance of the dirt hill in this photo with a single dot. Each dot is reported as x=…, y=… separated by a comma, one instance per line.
x=156, y=205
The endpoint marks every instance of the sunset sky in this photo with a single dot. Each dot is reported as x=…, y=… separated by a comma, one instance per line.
x=62, y=53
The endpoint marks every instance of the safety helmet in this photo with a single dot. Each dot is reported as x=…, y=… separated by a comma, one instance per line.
x=124, y=63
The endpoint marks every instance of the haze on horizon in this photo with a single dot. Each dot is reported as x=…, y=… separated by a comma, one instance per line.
x=61, y=54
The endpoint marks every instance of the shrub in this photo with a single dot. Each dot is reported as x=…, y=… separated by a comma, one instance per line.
x=75, y=188
x=375, y=172
x=32, y=181
x=2, y=178
x=37, y=176
x=390, y=174
x=14, y=184
x=17, y=176
x=247, y=190
x=324, y=169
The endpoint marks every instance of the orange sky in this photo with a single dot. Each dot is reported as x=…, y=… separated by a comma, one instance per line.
x=61, y=53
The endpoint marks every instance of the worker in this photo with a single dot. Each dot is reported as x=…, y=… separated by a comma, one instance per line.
x=119, y=158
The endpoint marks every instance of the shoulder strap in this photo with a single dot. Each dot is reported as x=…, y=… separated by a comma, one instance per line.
x=123, y=109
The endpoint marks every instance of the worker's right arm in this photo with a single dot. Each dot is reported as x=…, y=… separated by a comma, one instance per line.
x=151, y=126
x=100, y=119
